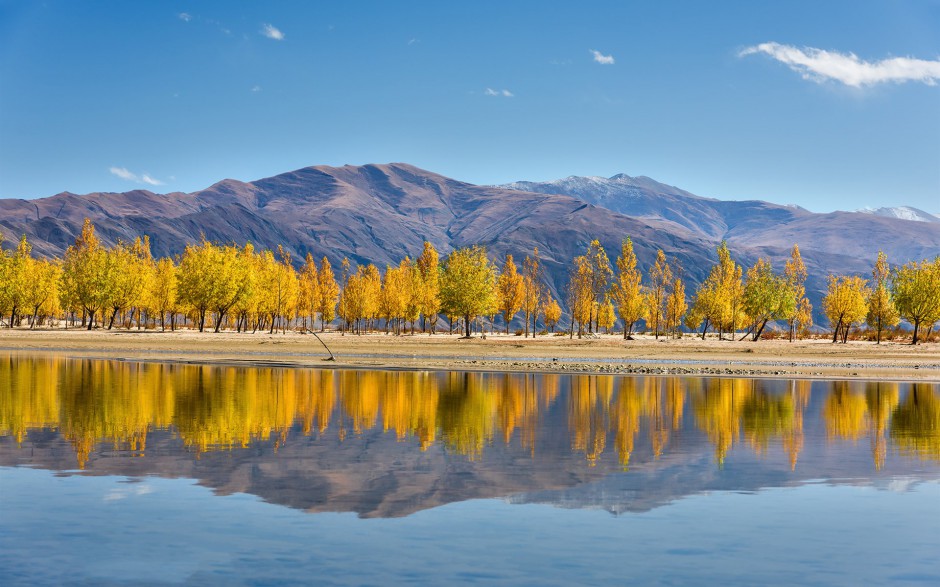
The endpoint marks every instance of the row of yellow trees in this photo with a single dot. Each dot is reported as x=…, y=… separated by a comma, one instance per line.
x=244, y=289
x=225, y=285
x=732, y=298
x=125, y=285
x=93, y=402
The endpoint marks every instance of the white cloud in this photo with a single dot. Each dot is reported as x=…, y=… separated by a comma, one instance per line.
x=503, y=93
x=820, y=65
x=413, y=41
x=271, y=32
x=119, y=493
x=125, y=173
x=601, y=58
x=185, y=17
x=256, y=88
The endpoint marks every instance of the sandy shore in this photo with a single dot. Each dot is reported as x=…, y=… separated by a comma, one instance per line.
x=605, y=354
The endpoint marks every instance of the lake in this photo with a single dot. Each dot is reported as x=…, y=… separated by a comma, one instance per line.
x=117, y=472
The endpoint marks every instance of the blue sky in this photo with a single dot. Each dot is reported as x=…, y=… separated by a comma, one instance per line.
x=727, y=100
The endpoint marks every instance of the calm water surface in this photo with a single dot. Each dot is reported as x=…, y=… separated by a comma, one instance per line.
x=132, y=473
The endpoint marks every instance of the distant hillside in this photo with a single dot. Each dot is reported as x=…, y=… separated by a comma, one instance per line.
x=380, y=213
x=838, y=242
x=753, y=223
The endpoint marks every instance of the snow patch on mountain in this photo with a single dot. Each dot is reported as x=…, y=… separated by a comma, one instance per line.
x=902, y=213
x=599, y=189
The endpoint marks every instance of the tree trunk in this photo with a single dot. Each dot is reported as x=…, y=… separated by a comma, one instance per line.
x=760, y=330
x=835, y=333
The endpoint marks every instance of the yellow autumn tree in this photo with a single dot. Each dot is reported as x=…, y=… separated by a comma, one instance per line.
x=916, y=289
x=163, y=293
x=606, y=315
x=429, y=303
x=195, y=287
x=600, y=273
x=250, y=311
x=344, y=305
x=329, y=292
x=42, y=290
x=468, y=285
x=214, y=278
x=533, y=288
x=718, y=302
x=511, y=291
x=128, y=266
x=552, y=313
x=393, y=300
x=85, y=274
x=372, y=284
x=413, y=286
x=657, y=293
x=278, y=287
x=6, y=283
x=882, y=312
x=626, y=292
x=794, y=271
x=844, y=304
x=16, y=277
x=767, y=296
x=707, y=306
x=675, y=308
x=308, y=298
x=730, y=291
x=356, y=302
x=580, y=294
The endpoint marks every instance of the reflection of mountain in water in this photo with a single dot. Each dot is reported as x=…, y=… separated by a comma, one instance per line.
x=392, y=443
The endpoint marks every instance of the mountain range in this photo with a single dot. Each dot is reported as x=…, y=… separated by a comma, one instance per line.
x=380, y=213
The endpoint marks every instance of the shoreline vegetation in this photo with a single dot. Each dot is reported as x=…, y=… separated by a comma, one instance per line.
x=599, y=354
x=227, y=288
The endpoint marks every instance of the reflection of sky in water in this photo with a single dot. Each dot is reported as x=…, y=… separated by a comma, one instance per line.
x=57, y=530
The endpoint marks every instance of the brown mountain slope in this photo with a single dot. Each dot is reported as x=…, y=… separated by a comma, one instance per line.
x=372, y=213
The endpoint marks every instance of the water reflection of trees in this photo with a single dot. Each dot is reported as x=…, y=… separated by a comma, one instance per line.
x=915, y=427
x=96, y=403
x=853, y=411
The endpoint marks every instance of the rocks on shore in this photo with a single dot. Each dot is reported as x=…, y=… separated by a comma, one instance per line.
x=627, y=369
